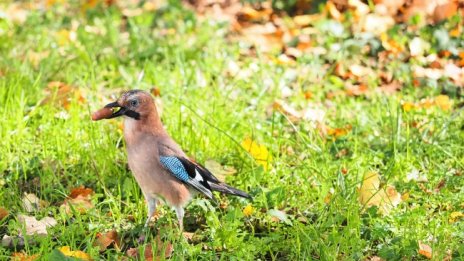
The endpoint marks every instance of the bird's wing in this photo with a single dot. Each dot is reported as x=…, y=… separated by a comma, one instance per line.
x=188, y=172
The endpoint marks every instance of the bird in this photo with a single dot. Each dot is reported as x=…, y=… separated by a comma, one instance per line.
x=161, y=168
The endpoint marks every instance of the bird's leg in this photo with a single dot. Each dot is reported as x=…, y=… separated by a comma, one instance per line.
x=151, y=205
x=151, y=209
x=180, y=217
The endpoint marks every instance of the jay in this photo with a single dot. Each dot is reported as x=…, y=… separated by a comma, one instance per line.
x=161, y=168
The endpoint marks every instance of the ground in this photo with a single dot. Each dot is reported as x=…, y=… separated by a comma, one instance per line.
x=309, y=137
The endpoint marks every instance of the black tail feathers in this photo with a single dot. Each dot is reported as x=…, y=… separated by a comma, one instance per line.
x=224, y=188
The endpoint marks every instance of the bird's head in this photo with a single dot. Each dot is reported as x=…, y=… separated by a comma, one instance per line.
x=135, y=104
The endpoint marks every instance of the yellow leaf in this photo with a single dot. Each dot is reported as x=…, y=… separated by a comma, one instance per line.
x=20, y=256
x=258, y=152
x=371, y=194
x=66, y=250
x=443, y=102
x=425, y=250
x=455, y=216
x=248, y=210
x=408, y=106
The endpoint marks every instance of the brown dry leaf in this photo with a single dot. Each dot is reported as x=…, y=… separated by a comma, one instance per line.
x=36, y=227
x=149, y=255
x=21, y=256
x=105, y=240
x=425, y=250
x=219, y=170
x=333, y=11
x=80, y=191
x=445, y=10
x=66, y=250
x=265, y=37
x=32, y=203
x=391, y=45
x=81, y=204
x=360, y=71
x=390, y=88
x=3, y=213
x=371, y=194
x=356, y=90
x=390, y=7
x=305, y=20
x=249, y=14
x=16, y=13
x=61, y=94
x=35, y=58
x=293, y=114
x=376, y=24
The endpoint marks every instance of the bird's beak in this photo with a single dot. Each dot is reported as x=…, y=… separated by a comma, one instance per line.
x=120, y=112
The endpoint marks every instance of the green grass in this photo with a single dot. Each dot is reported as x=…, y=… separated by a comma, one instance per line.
x=209, y=113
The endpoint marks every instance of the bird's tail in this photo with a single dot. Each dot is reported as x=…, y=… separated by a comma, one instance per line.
x=224, y=188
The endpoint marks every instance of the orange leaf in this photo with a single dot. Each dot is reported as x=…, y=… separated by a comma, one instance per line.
x=80, y=204
x=333, y=11
x=80, y=191
x=3, y=213
x=20, y=256
x=105, y=240
x=425, y=250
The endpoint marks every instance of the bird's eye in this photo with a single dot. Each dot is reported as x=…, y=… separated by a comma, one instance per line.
x=134, y=103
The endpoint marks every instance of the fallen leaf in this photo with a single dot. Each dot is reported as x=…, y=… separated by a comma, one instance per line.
x=81, y=204
x=66, y=250
x=149, y=254
x=408, y=106
x=425, y=250
x=376, y=24
x=62, y=94
x=371, y=194
x=219, y=170
x=417, y=46
x=338, y=132
x=333, y=11
x=455, y=216
x=279, y=215
x=258, y=152
x=415, y=175
x=3, y=213
x=21, y=256
x=188, y=235
x=248, y=210
x=445, y=10
x=80, y=191
x=105, y=240
x=443, y=102
x=36, y=227
x=32, y=203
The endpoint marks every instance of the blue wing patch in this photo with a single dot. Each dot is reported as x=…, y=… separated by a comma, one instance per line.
x=174, y=165
x=177, y=168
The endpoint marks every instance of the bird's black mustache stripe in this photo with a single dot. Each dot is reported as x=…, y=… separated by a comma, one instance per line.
x=132, y=114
